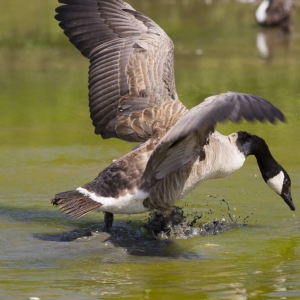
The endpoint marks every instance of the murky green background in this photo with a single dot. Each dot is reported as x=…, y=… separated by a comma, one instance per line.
x=47, y=145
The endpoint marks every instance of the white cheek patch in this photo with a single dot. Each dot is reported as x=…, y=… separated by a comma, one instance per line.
x=276, y=183
x=261, y=13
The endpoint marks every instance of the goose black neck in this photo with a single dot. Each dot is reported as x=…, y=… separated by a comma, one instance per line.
x=250, y=144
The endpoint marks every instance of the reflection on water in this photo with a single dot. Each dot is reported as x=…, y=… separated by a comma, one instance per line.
x=269, y=43
x=47, y=144
x=262, y=46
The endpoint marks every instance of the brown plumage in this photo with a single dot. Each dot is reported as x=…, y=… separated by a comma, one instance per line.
x=133, y=97
x=131, y=66
x=74, y=204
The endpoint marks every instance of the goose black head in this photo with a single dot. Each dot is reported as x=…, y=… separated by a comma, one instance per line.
x=273, y=173
x=281, y=184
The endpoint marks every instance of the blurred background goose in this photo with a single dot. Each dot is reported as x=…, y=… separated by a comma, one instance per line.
x=275, y=13
x=132, y=97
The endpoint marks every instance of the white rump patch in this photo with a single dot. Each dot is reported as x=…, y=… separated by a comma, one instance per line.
x=127, y=204
x=276, y=183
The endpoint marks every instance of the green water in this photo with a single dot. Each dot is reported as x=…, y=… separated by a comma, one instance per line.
x=47, y=146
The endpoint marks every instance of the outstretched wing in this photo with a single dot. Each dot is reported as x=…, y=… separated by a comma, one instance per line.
x=183, y=143
x=131, y=64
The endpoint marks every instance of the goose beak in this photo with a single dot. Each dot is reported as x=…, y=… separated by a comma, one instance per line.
x=288, y=200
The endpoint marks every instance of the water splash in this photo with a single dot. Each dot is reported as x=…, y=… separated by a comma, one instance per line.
x=181, y=227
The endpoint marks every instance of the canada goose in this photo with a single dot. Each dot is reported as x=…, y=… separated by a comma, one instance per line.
x=275, y=13
x=133, y=97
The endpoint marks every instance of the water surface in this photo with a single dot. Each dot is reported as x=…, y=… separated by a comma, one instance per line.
x=47, y=146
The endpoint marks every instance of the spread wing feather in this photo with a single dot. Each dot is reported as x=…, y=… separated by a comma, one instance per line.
x=183, y=142
x=131, y=63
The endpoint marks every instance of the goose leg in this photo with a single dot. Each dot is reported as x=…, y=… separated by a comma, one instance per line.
x=108, y=221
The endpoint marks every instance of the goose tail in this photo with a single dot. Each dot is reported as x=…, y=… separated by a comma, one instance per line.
x=74, y=204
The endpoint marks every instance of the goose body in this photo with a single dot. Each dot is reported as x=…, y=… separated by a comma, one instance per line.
x=133, y=97
x=222, y=159
x=275, y=13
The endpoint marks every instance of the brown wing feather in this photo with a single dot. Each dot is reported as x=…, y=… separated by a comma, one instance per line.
x=152, y=122
x=184, y=141
x=131, y=64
